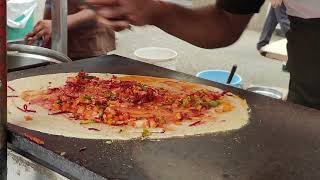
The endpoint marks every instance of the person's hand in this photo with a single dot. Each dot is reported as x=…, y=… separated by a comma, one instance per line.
x=276, y=3
x=43, y=29
x=119, y=14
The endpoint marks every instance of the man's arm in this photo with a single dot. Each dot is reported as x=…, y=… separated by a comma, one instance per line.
x=208, y=27
x=85, y=17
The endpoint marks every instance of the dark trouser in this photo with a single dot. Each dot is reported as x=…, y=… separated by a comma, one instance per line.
x=304, y=61
x=275, y=16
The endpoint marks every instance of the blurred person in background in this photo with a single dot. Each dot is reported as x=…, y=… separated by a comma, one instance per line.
x=277, y=15
x=86, y=36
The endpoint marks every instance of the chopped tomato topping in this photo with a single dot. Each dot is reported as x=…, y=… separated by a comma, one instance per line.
x=128, y=103
x=28, y=118
x=34, y=139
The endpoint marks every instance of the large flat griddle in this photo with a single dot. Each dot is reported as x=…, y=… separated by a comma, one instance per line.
x=282, y=140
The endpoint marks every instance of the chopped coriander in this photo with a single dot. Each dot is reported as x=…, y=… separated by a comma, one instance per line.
x=111, y=95
x=143, y=87
x=108, y=93
x=214, y=103
x=88, y=77
x=197, y=101
x=86, y=97
x=87, y=121
x=59, y=102
x=146, y=133
x=185, y=102
x=101, y=115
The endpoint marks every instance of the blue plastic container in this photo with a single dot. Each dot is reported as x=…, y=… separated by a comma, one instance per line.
x=220, y=76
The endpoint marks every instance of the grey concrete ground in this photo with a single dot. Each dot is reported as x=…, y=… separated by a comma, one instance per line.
x=254, y=68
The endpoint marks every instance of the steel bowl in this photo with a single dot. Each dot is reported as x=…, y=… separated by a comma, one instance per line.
x=267, y=92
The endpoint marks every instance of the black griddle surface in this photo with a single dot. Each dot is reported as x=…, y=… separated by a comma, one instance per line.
x=281, y=141
x=18, y=63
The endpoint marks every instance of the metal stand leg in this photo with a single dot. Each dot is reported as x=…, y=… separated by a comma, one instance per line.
x=3, y=92
x=59, y=13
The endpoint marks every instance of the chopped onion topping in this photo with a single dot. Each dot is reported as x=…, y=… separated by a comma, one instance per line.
x=25, y=109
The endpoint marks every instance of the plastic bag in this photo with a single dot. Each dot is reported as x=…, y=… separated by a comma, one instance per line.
x=20, y=8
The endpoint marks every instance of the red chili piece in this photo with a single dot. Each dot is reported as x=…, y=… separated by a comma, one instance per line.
x=11, y=88
x=93, y=129
x=34, y=139
x=60, y=112
x=196, y=123
x=119, y=123
x=25, y=109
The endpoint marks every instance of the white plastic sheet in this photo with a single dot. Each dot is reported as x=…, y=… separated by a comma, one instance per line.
x=18, y=8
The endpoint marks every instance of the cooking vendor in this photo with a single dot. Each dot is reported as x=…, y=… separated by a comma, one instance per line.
x=86, y=37
x=222, y=25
